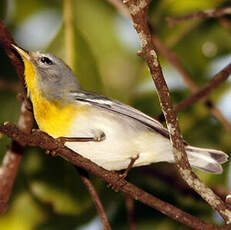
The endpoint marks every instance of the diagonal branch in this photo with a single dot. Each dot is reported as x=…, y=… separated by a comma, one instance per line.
x=210, y=13
x=138, y=13
x=40, y=139
x=95, y=197
x=174, y=60
x=202, y=93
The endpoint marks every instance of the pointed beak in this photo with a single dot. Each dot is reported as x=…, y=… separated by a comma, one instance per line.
x=25, y=55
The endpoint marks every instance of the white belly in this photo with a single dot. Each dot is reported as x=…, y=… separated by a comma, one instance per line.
x=125, y=139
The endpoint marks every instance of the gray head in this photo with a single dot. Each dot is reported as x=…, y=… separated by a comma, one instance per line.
x=55, y=78
x=51, y=75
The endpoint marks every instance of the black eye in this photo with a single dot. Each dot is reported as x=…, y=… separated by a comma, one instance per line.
x=46, y=60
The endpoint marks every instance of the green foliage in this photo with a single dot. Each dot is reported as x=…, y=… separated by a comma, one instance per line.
x=88, y=77
x=48, y=193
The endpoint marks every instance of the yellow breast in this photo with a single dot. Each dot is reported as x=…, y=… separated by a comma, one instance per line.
x=52, y=117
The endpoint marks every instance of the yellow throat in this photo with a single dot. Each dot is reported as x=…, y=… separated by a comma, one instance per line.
x=52, y=117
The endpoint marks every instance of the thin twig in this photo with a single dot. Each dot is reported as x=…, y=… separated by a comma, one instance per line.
x=211, y=13
x=202, y=93
x=138, y=11
x=174, y=60
x=12, y=158
x=130, y=212
x=43, y=140
x=95, y=197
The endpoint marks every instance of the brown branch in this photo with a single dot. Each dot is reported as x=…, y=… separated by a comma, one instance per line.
x=12, y=158
x=129, y=201
x=138, y=13
x=95, y=197
x=202, y=93
x=211, y=13
x=174, y=60
x=40, y=139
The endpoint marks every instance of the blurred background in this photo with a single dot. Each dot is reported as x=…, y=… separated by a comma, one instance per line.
x=48, y=193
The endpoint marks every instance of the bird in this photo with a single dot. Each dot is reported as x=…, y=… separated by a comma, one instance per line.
x=105, y=131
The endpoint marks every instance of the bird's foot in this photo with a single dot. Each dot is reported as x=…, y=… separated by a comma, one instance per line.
x=121, y=181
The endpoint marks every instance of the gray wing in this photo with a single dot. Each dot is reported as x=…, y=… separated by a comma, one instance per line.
x=120, y=108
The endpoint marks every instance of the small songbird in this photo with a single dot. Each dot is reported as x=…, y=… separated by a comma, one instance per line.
x=112, y=133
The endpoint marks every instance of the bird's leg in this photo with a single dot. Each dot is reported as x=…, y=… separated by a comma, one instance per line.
x=97, y=138
x=62, y=141
x=131, y=164
x=124, y=174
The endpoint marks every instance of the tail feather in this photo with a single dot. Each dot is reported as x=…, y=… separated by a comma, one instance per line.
x=208, y=160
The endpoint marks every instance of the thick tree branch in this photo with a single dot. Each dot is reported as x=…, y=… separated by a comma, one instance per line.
x=38, y=138
x=12, y=158
x=211, y=13
x=137, y=10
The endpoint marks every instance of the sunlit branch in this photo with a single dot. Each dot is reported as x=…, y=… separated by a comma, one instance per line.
x=138, y=11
